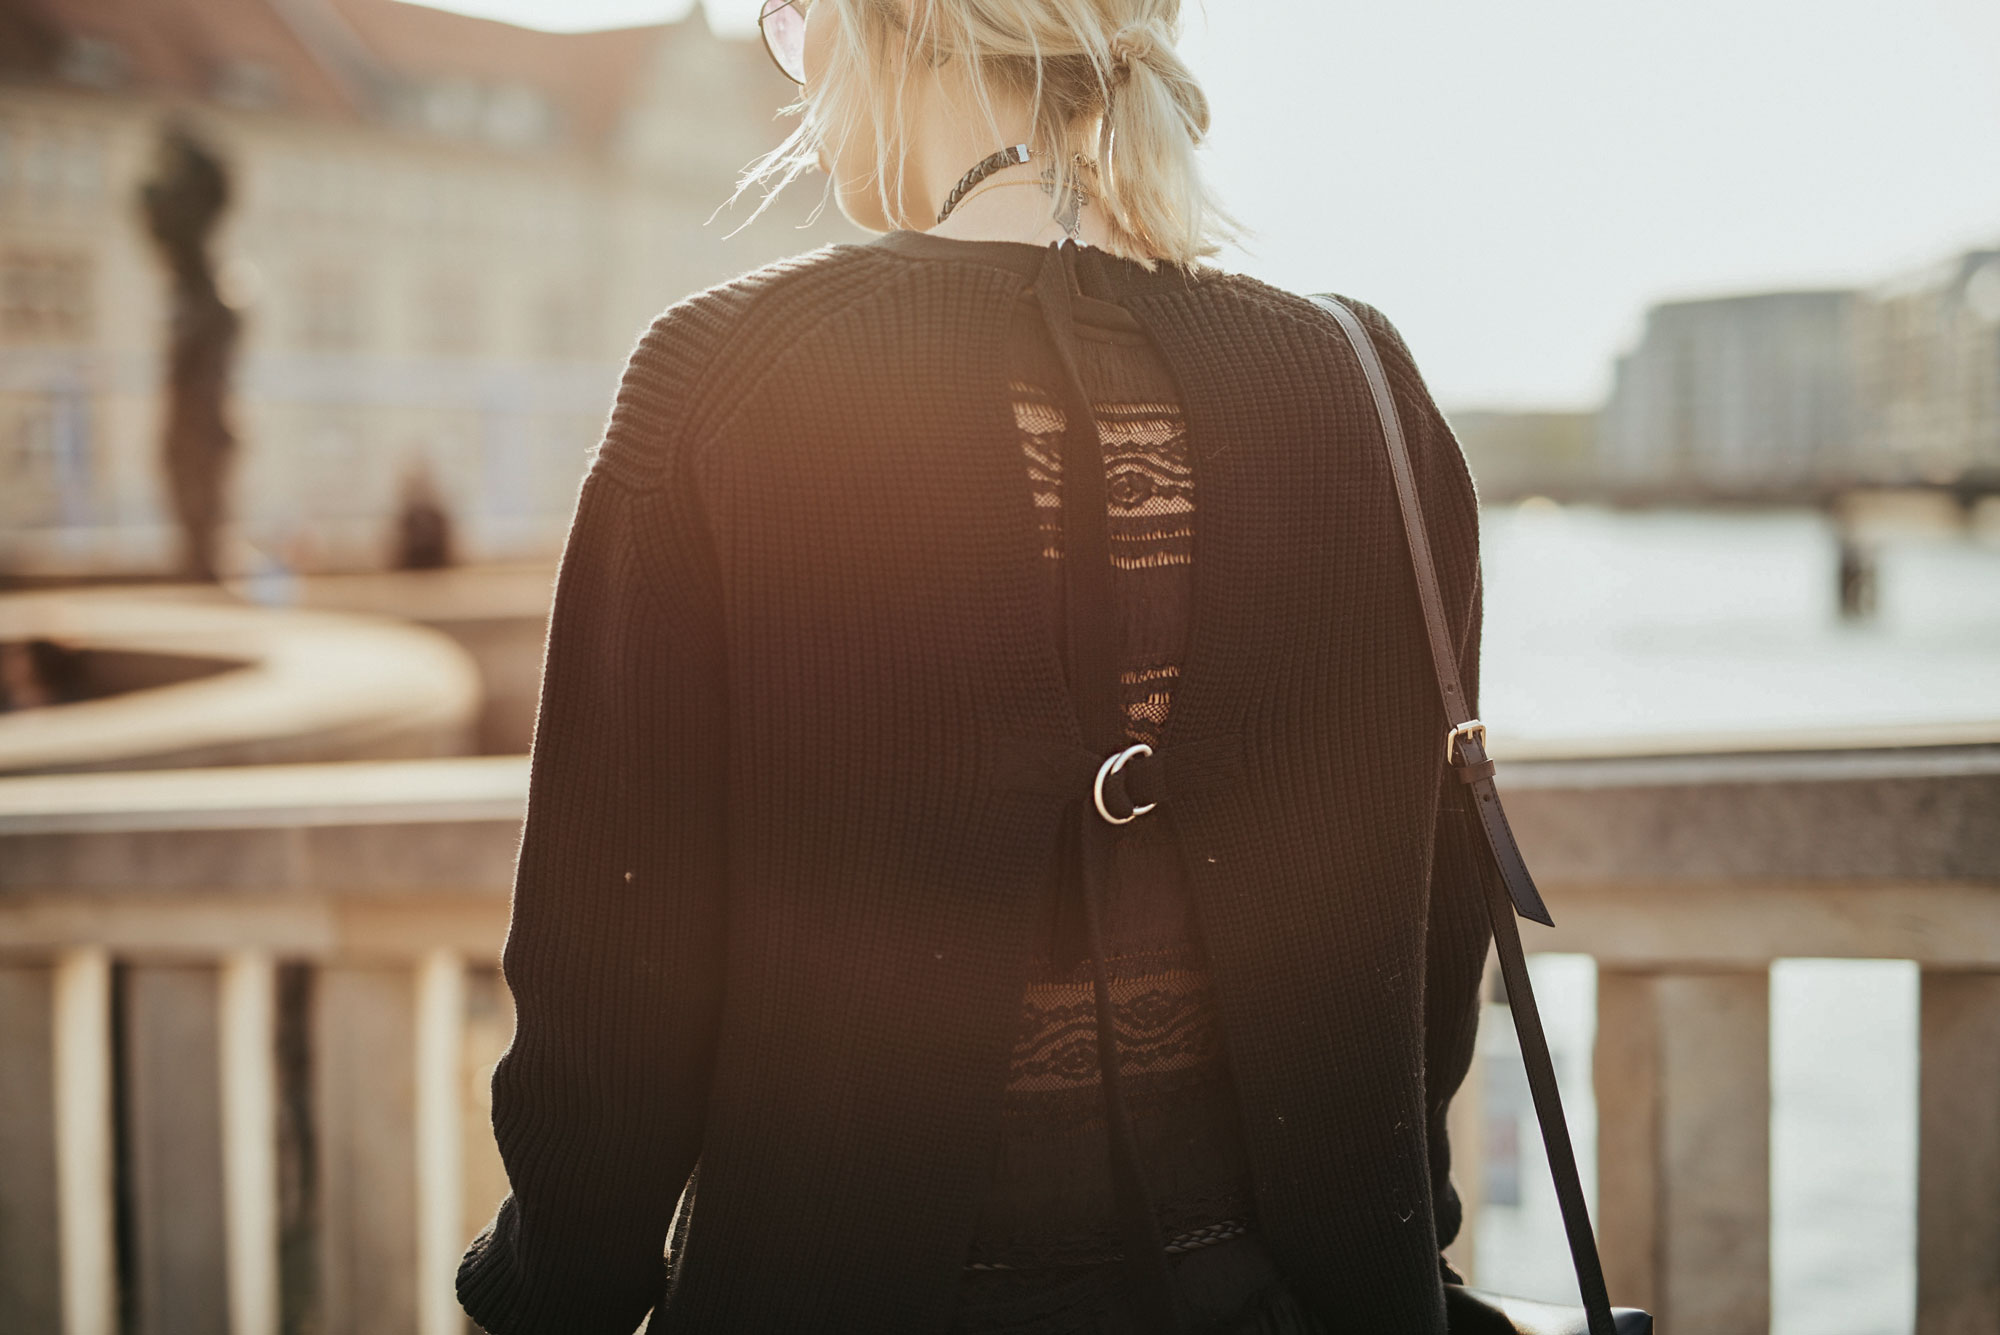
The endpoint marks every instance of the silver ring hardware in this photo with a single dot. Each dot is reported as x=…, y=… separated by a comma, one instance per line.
x=1112, y=765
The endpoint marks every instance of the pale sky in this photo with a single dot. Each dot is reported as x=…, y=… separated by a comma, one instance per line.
x=1514, y=183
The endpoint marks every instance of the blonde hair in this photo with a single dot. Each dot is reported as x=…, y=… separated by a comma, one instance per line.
x=1116, y=113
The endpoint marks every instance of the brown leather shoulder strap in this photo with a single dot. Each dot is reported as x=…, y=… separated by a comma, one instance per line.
x=1415, y=532
x=1465, y=737
x=1515, y=890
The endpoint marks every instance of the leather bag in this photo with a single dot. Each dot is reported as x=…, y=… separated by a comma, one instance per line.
x=1472, y=1311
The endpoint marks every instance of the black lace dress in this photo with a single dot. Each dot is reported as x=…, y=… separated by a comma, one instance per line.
x=1044, y=1257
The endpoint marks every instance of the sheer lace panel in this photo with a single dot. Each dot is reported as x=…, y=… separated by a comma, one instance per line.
x=1150, y=505
x=1164, y=1026
x=1051, y=1202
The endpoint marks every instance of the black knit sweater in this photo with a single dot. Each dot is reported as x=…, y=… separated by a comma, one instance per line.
x=1042, y=1259
x=806, y=746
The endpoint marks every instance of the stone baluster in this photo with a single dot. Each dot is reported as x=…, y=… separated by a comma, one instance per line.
x=440, y=1125
x=86, y=1217
x=1682, y=1073
x=247, y=1032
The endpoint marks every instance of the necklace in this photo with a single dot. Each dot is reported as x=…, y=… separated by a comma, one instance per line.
x=1066, y=218
x=985, y=167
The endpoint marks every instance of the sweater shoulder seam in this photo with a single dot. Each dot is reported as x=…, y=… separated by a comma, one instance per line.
x=728, y=406
x=668, y=389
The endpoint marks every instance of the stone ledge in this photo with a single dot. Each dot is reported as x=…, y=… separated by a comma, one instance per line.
x=313, y=685
x=390, y=792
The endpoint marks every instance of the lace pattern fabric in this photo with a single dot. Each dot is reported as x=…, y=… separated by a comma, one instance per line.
x=1164, y=1028
x=1050, y=1218
x=1150, y=485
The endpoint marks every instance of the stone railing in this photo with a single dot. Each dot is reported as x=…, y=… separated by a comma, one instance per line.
x=1685, y=878
x=247, y=1016
x=248, y=1019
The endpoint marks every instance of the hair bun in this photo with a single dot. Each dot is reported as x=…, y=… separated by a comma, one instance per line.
x=1132, y=44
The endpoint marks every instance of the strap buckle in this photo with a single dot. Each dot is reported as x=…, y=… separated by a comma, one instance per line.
x=1463, y=730
x=1111, y=765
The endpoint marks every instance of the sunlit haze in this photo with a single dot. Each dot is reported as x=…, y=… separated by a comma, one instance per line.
x=413, y=648
x=1514, y=184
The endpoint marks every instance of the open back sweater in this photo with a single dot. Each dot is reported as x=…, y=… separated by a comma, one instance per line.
x=1043, y=1254
x=806, y=754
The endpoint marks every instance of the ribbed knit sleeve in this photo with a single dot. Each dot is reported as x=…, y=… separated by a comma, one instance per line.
x=615, y=950
x=1456, y=954
x=1457, y=932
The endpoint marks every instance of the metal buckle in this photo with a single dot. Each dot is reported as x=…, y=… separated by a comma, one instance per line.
x=1465, y=729
x=1112, y=765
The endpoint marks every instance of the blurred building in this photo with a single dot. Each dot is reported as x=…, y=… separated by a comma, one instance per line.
x=1750, y=395
x=447, y=234
x=1518, y=454
x=1930, y=373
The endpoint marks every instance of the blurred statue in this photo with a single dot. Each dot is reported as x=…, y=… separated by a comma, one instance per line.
x=1857, y=579
x=183, y=202
x=423, y=527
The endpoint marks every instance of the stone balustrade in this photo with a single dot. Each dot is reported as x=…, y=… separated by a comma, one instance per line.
x=247, y=1016
x=246, y=1020
x=1685, y=877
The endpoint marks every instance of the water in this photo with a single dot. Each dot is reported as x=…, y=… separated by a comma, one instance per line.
x=1617, y=625
x=1601, y=623
x=1844, y=1152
